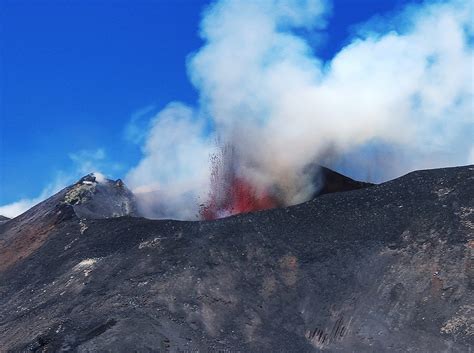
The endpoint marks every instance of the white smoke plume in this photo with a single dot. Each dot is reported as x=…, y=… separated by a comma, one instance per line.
x=403, y=85
x=173, y=176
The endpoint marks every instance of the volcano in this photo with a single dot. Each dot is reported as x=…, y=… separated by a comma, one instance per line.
x=377, y=268
x=241, y=197
x=233, y=192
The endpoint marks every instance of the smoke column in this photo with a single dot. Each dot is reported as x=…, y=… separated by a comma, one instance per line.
x=398, y=97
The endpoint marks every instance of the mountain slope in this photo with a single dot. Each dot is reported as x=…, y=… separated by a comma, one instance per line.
x=3, y=219
x=381, y=269
x=90, y=197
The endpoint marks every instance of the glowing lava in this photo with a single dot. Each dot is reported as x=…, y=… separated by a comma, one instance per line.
x=231, y=194
x=239, y=197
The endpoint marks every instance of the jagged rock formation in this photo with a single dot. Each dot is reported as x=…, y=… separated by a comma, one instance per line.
x=380, y=269
x=93, y=198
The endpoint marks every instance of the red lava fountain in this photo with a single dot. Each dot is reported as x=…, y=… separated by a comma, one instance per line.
x=241, y=198
x=231, y=194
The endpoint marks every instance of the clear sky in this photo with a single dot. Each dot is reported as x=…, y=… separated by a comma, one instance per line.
x=74, y=73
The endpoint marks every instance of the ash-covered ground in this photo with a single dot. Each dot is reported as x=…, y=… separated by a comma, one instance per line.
x=387, y=268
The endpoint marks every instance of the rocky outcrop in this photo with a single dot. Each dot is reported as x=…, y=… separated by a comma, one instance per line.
x=380, y=269
x=100, y=198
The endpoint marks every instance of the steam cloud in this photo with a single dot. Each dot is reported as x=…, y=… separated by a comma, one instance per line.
x=403, y=86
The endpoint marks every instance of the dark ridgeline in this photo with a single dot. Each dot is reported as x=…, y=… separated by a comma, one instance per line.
x=3, y=219
x=381, y=269
x=332, y=181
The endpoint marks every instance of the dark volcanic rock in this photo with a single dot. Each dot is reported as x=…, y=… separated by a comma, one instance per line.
x=381, y=269
x=3, y=219
x=331, y=181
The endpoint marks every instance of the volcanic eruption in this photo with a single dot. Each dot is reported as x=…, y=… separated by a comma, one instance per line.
x=381, y=269
x=394, y=99
x=231, y=193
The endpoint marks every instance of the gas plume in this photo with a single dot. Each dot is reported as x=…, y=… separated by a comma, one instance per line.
x=400, y=90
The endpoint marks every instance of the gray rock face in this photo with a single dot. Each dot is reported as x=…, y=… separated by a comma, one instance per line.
x=381, y=269
x=93, y=198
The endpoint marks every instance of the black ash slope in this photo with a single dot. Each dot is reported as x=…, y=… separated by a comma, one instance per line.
x=381, y=269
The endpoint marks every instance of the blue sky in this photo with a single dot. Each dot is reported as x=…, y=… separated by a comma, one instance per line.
x=74, y=73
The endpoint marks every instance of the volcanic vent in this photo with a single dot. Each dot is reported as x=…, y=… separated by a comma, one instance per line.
x=232, y=192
